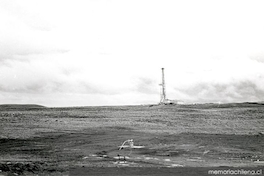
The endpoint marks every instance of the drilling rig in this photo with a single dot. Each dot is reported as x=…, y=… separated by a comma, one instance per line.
x=163, y=99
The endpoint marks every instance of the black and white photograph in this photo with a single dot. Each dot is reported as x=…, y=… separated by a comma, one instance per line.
x=131, y=87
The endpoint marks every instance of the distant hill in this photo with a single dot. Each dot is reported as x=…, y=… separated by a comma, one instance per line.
x=20, y=106
x=226, y=105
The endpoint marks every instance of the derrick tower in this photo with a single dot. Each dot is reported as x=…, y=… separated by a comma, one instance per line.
x=162, y=89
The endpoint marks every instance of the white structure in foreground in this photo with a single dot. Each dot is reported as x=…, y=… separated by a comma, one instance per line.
x=130, y=145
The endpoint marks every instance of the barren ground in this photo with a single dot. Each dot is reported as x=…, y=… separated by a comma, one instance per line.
x=78, y=140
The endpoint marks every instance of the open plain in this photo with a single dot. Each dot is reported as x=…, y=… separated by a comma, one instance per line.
x=37, y=140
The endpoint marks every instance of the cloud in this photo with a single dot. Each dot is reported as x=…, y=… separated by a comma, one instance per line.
x=19, y=39
x=258, y=56
x=221, y=80
x=146, y=85
x=27, y=12
x=38, y=76
x=236, y=91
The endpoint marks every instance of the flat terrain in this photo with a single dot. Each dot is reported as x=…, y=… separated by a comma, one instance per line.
x=60, y=141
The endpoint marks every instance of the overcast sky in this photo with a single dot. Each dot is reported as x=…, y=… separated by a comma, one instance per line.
x=110, y=52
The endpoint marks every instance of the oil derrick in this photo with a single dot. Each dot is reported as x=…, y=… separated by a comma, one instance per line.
x=163, y=99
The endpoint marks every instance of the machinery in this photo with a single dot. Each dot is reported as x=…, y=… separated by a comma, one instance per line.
x=130, y=145
x=163, y=90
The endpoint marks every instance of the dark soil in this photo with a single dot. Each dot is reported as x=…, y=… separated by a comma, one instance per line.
x=178, y=140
